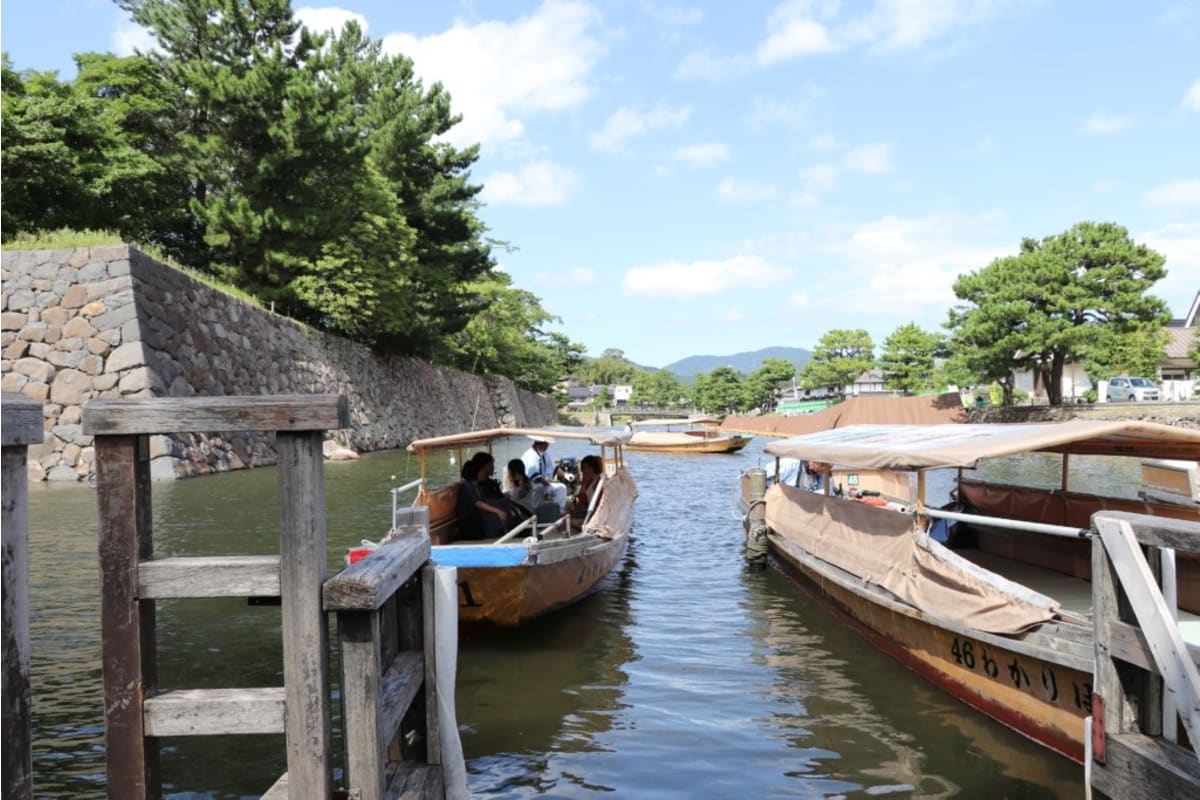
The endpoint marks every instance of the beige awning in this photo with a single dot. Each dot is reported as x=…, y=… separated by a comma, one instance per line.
x=924, y=410
x=908, y=447
x=475, y=438
x=697, y=420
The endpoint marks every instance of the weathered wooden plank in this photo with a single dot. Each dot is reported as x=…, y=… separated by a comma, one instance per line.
x=1147, y=768
x=1127, y=643
x=1176, y=534
x=429, y=622
x=414, y=782
x=16, y=764
x=1119, y=714
x=295, y=412
x=209, y=576
x=364, y=586
x=366, y=741
x=20, y=420
x=305, y=627
x=131, y=761
x=210, y=712
x=404, y=678
x=278, y=790
x=1171, y=657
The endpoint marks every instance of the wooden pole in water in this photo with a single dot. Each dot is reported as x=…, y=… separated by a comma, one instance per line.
x=21, y=426
x=756, y=514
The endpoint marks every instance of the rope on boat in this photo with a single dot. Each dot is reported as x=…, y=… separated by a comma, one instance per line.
x=756, y=535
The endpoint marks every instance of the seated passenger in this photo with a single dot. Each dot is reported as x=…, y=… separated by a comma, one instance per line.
x=541, y=470
x=478, y=517
x=523, y=492
x=590, y=470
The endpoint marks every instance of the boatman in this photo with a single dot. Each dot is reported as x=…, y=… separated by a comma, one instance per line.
x=540, y=469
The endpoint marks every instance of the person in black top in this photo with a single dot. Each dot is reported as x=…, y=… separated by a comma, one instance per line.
x=479, y=516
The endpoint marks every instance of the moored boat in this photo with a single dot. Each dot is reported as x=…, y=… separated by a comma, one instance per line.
x=540, y=565
x=684, y=435
x=1000, y=614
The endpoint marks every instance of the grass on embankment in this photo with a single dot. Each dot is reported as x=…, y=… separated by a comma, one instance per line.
x=67, y=238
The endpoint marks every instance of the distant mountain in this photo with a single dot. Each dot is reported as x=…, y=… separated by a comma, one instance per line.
x=687, y=368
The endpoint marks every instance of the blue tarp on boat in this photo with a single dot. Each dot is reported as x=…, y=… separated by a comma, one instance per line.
x=480, y=555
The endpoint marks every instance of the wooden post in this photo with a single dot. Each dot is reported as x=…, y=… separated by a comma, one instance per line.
x=305, y=626
x=126, y=624
x=21, y=426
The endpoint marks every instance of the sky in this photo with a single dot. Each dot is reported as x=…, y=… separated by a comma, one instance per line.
x=677, y=178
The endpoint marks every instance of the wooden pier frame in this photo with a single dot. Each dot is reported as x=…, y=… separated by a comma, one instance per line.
x=386, y=622
x=136, y=712
x=1140, y=659
x=20, y=426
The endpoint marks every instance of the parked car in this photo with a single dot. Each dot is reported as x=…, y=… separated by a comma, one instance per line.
x=1131, y=390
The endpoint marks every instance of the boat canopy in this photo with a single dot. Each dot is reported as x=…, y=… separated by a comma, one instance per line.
x=695, y=420
x=474, y=438
x=916, y=447
x=922, y=410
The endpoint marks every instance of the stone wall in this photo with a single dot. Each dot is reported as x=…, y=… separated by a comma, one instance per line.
x=1182, y=415
x=107, y=322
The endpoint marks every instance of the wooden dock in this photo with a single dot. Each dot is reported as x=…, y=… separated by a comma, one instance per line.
x=1147, y=682
x=397, y=734
x=20, y=426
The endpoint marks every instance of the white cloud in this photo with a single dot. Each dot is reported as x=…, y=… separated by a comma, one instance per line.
x=130, y=38
x=1191, y=98
x=824, y=143
x=329, y=18
x=912, y=261
x=794, y=33
x=628, y=123
x=541, y=183
x=1102, y=123
x=872, y=159
x=1180, y=243
x=799, y=299
x=701, y=155
x=799, y=112
x=691, y=278
x=819, y=177
x=710, y=66
x=497, y=72
x=1175, y=193
x=738, y=191
x=675, y=16
x=804, y=199
x=732, y=317
x=575, y=276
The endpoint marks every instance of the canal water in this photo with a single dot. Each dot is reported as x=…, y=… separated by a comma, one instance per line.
x=688, y=675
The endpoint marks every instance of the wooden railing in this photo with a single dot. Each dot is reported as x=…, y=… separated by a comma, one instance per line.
x=386, y=607
x=20, y=426
x=137, y=711
x=1147, y=680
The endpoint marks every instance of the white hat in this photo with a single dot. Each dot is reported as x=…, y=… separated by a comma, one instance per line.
x=541, y=437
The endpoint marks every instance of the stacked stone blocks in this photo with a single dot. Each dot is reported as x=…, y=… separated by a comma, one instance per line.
x=107, y=322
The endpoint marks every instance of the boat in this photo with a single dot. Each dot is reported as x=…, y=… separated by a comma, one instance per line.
x=697, y=434
x=1171, y=481
x=996, y=610
x=538, y=566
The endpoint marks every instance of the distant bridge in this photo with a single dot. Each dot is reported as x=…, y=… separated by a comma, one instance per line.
x=605, y=416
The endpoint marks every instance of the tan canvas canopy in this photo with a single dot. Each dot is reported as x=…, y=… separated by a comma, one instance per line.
x=926, y=410
x=913, y=447
x=696, y=420
x=473, y=438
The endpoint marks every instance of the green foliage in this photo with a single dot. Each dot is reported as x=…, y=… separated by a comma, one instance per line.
x=1058, y=300
x=908, y=357
x=610, y=368
x=1194, y=350
x=1136, y=353
x=839, y=358
x=603, y=398
x=658, y=388
x=720, y=391
x=769, y=378
x=309, y=171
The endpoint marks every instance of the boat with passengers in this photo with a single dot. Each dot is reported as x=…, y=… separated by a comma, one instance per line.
x=695, y=434
x=991, y=601
x=543, y=563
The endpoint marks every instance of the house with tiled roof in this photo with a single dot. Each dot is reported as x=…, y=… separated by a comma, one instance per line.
x=1176, y=364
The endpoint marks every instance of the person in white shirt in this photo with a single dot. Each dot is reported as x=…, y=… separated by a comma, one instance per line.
x=539, y=468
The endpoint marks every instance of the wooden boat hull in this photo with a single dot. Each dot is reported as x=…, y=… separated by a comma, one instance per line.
x=502, y=597
x=1042, y=698
x=725, y=444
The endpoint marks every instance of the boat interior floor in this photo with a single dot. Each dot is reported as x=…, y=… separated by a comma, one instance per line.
x=1073, y=594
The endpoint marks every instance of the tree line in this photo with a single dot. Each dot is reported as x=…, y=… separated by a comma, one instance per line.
x=308, y=170
x=1081, y=296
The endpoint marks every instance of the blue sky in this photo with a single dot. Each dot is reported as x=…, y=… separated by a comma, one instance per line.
x=687, y=178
